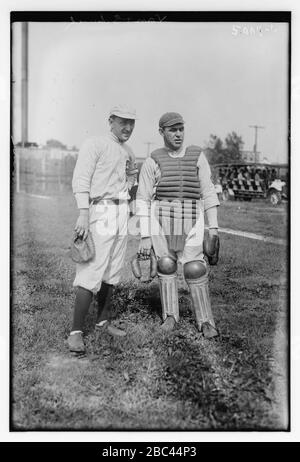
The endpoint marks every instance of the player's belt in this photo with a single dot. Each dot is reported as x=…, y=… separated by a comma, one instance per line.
x=96, y=200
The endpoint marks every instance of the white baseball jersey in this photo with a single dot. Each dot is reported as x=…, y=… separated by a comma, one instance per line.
x=100, y=170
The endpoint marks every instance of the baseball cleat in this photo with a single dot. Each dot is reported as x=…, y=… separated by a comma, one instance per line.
x=169, y=324
x=209, y=331
x=76, y=344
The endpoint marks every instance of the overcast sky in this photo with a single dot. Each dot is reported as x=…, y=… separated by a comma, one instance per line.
x=222, y=78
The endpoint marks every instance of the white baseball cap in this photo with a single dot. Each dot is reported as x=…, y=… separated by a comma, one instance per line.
x=124, y=111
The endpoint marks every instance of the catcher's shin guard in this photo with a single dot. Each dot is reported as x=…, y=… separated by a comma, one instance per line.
x=197, y=280
x=169, y=295
x=167, y=277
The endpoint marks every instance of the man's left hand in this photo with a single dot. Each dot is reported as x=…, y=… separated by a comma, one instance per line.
x=131, y=168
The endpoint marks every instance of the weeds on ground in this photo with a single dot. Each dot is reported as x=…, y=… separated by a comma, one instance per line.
x=148, y=380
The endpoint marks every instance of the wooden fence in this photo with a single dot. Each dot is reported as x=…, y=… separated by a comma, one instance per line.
x=43, y=171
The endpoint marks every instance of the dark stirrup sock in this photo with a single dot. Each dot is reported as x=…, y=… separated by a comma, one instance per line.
x=104, y=302
x=82, y=303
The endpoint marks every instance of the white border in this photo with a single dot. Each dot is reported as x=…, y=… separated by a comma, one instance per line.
x=154, y=5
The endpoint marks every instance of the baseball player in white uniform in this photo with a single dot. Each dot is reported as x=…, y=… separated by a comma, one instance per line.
x=175, y=192
x=103, y=175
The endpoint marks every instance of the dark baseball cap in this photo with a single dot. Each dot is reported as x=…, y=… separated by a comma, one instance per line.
x=170, y=118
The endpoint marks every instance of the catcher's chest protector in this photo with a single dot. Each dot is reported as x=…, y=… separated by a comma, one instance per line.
x=179, y=175
x=178, y=191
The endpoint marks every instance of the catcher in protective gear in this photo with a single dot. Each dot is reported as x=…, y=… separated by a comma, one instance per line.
x=175, y=193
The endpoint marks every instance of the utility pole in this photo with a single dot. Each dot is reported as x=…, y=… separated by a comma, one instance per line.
x=24, y=99
x=148, y=143
x=256, y=127
x=24, y=102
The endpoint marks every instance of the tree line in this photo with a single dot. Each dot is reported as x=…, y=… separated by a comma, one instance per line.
x=229, y=150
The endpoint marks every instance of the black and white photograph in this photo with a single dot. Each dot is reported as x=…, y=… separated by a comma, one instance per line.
x=150, y=221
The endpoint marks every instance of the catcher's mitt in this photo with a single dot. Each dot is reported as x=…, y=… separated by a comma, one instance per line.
x=136, y=267
x=211, y=246
x=81, y=250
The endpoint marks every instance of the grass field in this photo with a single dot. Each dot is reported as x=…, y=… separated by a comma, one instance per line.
x=148, y=381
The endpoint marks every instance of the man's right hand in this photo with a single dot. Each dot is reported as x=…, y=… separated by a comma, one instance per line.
x=82, y=223
x=145, y=248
